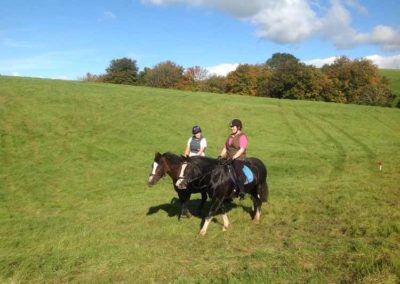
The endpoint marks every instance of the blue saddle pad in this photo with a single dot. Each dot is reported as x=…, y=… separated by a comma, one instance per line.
x=248, y=174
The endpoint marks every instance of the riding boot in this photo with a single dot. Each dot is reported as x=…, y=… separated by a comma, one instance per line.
x=240, y=185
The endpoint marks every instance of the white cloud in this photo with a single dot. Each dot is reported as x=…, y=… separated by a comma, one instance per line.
x=385, y=36
x=320, y=62
x=336, y=26
x=389, y=62
x=285, y=21
x=222, y=69
x=292, y=21
x=358, y=6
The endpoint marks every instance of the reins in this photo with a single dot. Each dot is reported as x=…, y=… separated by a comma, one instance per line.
x=196, y=178
x=201, y=177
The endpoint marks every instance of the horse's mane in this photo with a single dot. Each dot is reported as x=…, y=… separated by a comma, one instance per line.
x=172, y=158
x=204, y=161
x=220, y=175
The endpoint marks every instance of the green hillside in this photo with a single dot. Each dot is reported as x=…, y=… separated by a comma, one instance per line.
x=394, y=78
x=75, y=205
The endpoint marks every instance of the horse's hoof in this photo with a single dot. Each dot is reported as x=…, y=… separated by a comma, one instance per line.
x=255, y=221
x=202, y=233
x=184, y=216
x=224, y=229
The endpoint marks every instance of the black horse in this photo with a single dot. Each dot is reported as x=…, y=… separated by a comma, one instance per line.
x=170, y=164
x=222, y=186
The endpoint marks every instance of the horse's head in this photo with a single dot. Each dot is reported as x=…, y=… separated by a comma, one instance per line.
x=157, y=169
x=190, y=171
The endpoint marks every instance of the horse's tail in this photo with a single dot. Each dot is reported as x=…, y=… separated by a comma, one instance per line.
x=262, y=188
x=264, y=191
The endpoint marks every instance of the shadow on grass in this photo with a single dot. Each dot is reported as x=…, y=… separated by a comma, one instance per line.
x=174, y=207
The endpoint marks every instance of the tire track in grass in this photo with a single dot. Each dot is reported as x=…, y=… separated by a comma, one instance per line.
x=385, y=125
x=366, y=149
x=338, y=164
x=292, y=130
x=306, y=124
x=383, y=117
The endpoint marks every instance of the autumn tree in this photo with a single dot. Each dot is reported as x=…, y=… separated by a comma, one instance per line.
x=214, y=84
x=358, y=81
x=192, y=78
x=164, y=75
x=245, y=79
x=89, y=77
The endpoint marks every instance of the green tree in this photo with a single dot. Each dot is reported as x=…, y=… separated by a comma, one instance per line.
x=122, y=71
x=281, y=60
x=292, y=79
x=143, y=75
x=289, y=76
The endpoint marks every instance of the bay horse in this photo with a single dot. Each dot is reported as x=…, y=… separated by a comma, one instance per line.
x=170, y=164
x=222, y=186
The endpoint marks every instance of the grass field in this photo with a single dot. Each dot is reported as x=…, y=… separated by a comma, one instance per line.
x=394, y=79
x=75, y=206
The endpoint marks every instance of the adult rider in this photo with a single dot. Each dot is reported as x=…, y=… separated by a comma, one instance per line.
x=235, y=150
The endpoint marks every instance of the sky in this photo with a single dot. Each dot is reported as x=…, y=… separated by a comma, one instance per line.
x=65, y=39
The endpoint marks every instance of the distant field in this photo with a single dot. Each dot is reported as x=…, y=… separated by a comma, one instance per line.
x=75, y=205
x=394, y=78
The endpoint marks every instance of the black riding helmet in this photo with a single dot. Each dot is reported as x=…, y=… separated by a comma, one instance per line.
x=196, y=129
x=236, y=122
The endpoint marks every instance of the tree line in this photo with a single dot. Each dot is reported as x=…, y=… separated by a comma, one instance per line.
x=282, y=76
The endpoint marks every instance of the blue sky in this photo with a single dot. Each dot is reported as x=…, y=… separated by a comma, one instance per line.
x=66, y=39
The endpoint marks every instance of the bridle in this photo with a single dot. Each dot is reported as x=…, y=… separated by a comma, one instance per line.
x=154, y=174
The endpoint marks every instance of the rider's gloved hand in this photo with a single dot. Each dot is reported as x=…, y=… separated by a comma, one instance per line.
x=226, y=161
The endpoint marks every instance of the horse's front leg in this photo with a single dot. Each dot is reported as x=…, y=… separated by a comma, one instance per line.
x=203, y=200
x=216, y=203
x=184, y=198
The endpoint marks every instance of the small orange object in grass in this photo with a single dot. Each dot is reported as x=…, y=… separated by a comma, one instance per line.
x=380, y=164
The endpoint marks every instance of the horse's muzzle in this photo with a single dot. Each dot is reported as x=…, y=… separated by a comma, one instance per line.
x=181, y=183
x=151, y=181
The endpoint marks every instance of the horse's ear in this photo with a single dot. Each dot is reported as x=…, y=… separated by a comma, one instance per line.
x=157, y=156
x=185, y=158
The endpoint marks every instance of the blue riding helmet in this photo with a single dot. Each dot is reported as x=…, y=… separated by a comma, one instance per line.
x=196, y=129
